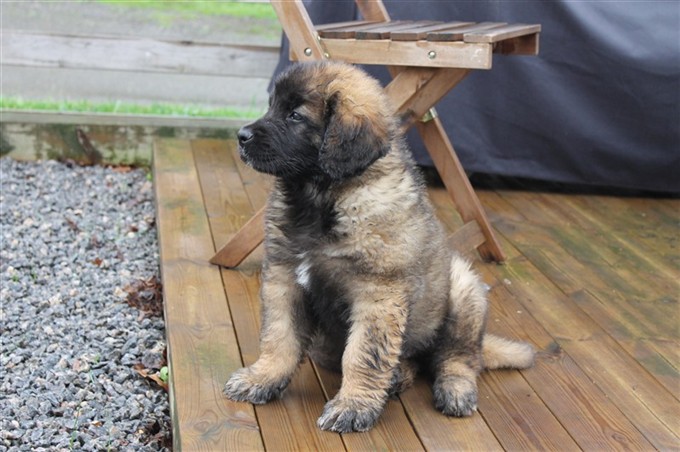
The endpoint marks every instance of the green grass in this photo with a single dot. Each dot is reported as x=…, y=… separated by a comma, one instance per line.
x=203, y=7
x=14, y=103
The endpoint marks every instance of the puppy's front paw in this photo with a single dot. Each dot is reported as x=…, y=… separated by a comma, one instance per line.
x=347, y=415
x=455, y=396
x=244, y=385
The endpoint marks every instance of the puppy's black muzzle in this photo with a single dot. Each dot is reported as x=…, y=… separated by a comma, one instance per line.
x=245, y=135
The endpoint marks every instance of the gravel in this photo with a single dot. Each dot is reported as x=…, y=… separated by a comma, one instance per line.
x=75, y=242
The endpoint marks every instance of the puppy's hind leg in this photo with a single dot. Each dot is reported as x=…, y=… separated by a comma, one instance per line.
x=283, y=341
x=458, y=353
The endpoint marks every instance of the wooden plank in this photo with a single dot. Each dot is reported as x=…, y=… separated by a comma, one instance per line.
x=572, y=330
x=517, y=415
x=337, y=25
x=661, y=358
x=585, y=287
x=439, y=432
x=568, y=258
x=386, y=52
x=386, y=30
x=135, y=87
x=427, y=95
x=350, y=30
x=136, y=55
x=242, y=243
x=457, y=33
x=643, y=404
x=421, y=32
x=604, y=296
x=501, y=33
x=405, y=85
x=288, y=423
x=648, y=405
x=372, y=10
x=467, y=238
x=588, y=415
x=598, y=289
x=202, y=347
x=36, y=118
x=567, y=334
x=645, y=294
x=415, y=90
x=643, y=226
x=615, y=253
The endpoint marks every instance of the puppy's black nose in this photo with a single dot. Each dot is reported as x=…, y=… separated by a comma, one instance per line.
x=244, y=135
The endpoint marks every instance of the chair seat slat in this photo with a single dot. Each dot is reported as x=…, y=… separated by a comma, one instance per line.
x=457, y=34
x=350, y=23
x=385, y=31
x=501, y=33
x=408, y=30
x=421, y=32
x=350, y=31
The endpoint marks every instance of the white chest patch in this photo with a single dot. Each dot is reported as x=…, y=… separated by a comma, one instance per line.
x=302, y=273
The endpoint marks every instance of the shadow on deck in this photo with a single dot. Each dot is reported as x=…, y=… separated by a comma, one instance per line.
x=592, y=281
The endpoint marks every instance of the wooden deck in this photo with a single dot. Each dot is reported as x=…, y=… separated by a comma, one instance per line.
x=592, y=281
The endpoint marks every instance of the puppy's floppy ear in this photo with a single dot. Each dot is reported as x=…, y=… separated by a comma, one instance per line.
x=353, y=139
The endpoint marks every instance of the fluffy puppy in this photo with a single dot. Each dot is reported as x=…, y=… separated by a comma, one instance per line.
x=357, y=271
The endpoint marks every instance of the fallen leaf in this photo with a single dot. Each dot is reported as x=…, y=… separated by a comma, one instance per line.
x=141, y=370
x=146, y=295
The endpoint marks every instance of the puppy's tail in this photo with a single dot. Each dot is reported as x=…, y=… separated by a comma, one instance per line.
x=501, y=353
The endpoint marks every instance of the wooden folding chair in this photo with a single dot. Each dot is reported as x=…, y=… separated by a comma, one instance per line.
x=426, y=60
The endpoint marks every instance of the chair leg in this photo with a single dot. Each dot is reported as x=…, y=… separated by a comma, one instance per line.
x=458, y=186
x=242, y=243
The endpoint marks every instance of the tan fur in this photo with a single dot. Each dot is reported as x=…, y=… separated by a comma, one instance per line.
x=500, y=353
x=357, y=271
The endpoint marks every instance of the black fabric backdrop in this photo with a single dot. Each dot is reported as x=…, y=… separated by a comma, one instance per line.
x=599, y=105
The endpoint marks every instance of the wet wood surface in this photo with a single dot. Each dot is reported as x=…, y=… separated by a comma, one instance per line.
x=591, y=281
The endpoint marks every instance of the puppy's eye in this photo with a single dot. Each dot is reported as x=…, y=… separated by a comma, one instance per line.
x=295, y=116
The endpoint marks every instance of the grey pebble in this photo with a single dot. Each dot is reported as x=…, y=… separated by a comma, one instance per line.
x=69, y=343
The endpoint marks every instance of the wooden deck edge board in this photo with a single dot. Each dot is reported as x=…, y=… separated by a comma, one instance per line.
x=202, y=348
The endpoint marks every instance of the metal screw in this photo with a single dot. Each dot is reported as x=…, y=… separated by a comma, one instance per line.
x=308, y=51
x=326, y=55
x=432, y=54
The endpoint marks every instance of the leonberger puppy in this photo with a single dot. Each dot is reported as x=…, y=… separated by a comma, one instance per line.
x=357, y=272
